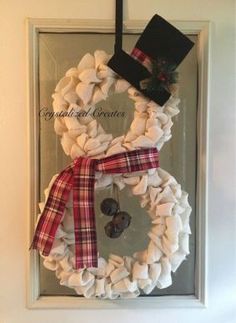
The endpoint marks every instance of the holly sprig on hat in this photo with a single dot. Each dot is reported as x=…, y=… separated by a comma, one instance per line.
x=164, y=75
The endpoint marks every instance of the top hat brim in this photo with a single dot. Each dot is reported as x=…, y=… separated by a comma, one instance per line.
x=134, y=72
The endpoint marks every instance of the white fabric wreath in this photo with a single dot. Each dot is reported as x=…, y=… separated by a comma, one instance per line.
x=166, y=204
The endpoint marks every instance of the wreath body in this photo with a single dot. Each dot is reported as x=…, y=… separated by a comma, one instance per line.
x=167, y=205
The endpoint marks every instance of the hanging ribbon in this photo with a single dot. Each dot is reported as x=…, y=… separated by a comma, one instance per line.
x=119, y=26
x=79, y=177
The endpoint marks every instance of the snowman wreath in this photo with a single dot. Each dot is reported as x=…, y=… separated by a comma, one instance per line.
x=65, y=233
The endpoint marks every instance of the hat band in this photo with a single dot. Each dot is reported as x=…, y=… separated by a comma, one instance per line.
x=163, y=74
x=143, y=58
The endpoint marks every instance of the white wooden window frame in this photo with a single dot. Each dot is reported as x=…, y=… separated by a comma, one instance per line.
x=200, y=28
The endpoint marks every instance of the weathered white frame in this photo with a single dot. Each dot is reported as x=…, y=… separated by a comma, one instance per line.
x=202, y=30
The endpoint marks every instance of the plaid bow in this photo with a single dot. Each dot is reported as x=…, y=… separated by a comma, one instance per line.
x=80, y=177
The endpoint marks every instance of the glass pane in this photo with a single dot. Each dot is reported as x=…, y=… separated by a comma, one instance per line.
x=57, y=53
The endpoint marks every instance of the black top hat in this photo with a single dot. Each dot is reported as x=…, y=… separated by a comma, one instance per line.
x=151, y=66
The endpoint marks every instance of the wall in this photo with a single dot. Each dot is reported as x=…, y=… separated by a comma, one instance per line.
x=14, y=157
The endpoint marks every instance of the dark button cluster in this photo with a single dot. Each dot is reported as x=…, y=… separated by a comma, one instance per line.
x=120, y=221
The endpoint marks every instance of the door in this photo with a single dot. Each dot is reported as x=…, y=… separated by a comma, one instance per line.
x=219, y=100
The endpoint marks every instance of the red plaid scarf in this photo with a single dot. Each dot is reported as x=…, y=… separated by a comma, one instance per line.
x=80, y=177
